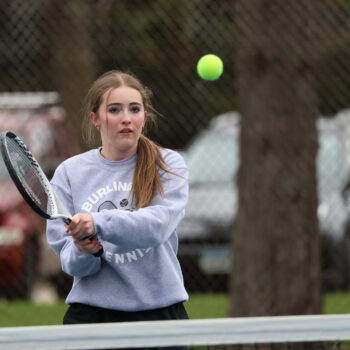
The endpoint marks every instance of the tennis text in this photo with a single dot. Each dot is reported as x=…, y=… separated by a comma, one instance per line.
x=127, y=257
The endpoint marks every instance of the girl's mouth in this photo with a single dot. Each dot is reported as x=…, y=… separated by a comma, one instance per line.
x=125, y=131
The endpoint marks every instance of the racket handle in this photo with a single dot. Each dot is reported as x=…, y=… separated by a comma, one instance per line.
x=67, y=221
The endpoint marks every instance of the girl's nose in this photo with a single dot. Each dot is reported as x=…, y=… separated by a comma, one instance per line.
x=126, y=121
x=126, y=118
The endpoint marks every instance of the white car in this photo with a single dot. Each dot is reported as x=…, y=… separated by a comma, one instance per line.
x=204, y=234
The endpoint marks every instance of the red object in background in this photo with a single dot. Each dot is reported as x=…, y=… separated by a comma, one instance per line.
x=39, y=120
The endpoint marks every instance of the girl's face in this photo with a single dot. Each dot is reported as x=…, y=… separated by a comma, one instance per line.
x=120, y=120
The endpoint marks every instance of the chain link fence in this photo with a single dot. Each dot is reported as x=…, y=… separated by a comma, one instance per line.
x=62, y=45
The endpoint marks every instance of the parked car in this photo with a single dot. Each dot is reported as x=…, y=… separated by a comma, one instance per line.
x=40, y=121
x=205, y=250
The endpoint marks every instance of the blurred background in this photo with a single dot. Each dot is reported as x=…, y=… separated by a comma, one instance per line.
x=286, y=83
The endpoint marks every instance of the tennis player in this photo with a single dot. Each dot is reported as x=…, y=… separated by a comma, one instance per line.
x=132, y=194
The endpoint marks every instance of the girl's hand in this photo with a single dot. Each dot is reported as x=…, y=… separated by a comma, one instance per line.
x=91, y=246
x=81, y=226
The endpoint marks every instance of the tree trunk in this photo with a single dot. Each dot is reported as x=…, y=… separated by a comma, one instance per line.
x=73, y=59
x=276, y=244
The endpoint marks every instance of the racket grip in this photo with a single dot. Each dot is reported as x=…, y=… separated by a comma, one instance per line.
x=67, y=221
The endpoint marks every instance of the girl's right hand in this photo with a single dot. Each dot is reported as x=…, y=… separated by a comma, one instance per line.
x=92, y=245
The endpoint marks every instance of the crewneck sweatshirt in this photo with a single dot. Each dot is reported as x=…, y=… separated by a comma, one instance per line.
x=139, y=269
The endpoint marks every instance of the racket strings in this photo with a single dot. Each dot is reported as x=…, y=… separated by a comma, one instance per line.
x=30, y=177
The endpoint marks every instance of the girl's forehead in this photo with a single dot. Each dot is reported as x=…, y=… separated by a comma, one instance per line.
x=122, y=94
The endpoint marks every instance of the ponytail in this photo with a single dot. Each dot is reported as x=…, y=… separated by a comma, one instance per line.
x=146, y=180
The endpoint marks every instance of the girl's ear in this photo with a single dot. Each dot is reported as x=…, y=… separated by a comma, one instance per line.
x=94, y=120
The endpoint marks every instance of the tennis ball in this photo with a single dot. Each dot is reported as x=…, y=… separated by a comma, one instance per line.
x=210, y=67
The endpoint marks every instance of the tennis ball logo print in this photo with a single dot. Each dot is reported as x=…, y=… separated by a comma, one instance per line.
x=210, y=67
x=124, y=202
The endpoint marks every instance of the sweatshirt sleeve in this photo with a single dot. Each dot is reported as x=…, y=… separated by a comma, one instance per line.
x=74, y=262
x=152, y=225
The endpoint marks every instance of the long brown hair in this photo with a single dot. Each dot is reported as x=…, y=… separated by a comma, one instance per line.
x=146, y=178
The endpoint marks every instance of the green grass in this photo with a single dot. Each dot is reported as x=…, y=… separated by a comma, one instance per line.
x=207, y=306
x=23, y=313
x=336, y=303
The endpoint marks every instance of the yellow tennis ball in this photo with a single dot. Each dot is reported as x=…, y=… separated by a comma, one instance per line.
x=210, y=67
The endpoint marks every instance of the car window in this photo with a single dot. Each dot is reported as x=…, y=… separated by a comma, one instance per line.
x=209, y=160
x=42, y=137
x=330, y=162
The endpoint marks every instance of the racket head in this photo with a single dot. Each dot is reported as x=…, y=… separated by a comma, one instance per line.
x=31, y=181
x=27, y=175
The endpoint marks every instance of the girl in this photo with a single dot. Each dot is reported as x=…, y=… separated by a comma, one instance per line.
x=131, y=194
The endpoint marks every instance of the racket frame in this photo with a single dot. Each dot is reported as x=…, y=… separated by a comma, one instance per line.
x=64, y=215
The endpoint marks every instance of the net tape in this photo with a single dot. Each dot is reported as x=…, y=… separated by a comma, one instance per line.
x=225, y=331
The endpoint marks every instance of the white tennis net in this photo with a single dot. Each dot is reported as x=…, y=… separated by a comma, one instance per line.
x=330, y=329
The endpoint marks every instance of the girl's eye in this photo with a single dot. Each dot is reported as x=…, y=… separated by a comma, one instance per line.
x=135, y=109
x=114, y=110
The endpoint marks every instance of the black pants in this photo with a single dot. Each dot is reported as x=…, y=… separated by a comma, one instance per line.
x=81, y=313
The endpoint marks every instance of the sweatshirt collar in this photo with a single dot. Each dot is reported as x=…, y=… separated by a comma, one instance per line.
x=116, y=162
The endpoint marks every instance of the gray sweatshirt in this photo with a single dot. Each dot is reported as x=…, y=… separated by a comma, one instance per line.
x=139, y=269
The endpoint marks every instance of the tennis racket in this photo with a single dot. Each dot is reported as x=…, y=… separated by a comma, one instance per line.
x=32, y=182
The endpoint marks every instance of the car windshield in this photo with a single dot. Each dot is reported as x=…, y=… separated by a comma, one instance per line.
x=209, y=160
x=216, y=159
